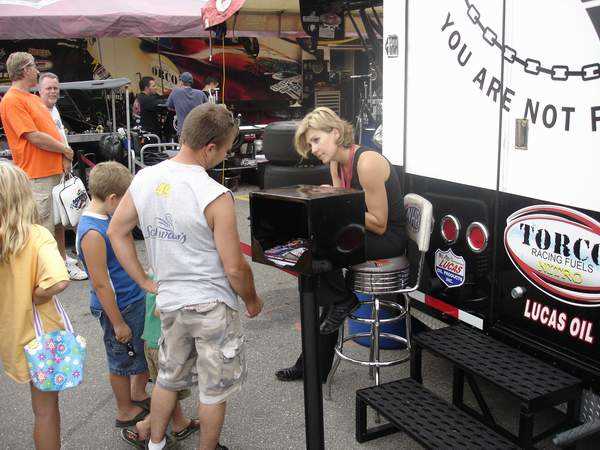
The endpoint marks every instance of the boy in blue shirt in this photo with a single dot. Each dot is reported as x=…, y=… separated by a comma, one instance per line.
x=115, y=299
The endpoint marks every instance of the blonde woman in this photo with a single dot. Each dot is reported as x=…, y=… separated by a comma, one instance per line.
x=331, y=139
x=31, y=271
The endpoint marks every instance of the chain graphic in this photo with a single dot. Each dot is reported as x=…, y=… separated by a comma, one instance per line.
x=558, y=72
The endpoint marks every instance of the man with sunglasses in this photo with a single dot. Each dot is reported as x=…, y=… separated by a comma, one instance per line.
x=34, y=141
x=190, y=231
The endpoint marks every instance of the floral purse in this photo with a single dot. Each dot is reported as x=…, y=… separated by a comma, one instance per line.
x=55, y=359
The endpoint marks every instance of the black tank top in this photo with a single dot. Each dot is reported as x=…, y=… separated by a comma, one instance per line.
x=395, y=199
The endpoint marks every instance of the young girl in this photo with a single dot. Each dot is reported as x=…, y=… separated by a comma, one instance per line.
x=31, y=271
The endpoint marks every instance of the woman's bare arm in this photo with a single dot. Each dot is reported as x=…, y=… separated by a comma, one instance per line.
x=373, y=171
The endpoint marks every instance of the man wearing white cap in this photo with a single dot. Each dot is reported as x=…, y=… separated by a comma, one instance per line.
x=185, y=98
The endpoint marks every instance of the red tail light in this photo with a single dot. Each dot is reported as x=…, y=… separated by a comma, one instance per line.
x=450, y=228
x=477, y=237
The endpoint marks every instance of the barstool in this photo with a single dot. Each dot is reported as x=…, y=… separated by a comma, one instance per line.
x=383, y=277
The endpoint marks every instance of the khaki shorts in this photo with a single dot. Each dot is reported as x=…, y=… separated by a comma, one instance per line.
x=42, y=194
x=151, y=355
x=202, y=345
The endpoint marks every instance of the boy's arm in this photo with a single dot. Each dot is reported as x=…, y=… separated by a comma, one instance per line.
x=93, y=247
x=220, y=215
x=119, y=232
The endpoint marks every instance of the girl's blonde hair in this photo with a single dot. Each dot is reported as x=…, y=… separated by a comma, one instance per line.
x=17, y=210
x=322, y=119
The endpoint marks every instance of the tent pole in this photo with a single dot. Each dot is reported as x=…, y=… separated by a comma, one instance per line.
x=160, y=71
x=114, y=111
x=100, y=51
x=223, y=101
x=130, y=161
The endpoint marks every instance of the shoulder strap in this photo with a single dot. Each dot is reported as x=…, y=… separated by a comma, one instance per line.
x=37, y=321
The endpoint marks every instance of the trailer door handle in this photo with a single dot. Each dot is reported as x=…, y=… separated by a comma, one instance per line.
x=521, y=133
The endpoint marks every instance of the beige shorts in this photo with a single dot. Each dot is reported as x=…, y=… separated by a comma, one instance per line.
x=202, y=345
x=151, y=355
x=42, y=194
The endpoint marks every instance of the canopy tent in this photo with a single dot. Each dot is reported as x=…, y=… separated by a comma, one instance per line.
x=34, y=19
x=55, y=19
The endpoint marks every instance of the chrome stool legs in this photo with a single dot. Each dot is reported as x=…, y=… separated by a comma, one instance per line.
x=374, y=362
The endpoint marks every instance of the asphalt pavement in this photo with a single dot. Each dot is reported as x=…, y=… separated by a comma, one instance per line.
x=267, y=414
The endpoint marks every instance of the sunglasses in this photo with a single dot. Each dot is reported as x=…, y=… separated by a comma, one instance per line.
x=130, y=353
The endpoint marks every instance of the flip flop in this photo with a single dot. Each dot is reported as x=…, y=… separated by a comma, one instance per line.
x=132, y=422
x=192, y=428
x=142, y=403
x=132, y=438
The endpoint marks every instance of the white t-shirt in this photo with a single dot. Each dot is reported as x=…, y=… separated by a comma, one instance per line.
x=58, y=122
x=170, y=199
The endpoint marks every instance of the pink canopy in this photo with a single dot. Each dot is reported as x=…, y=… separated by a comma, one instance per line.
x=33, y=19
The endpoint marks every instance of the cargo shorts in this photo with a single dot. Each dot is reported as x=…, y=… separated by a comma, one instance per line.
x=203, y=345
x=42, y=194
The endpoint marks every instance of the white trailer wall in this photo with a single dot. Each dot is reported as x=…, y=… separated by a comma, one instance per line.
x=452, y=113
x=393, y=81
x=562, y=161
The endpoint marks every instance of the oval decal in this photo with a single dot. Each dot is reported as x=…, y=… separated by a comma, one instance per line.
x=558, y=250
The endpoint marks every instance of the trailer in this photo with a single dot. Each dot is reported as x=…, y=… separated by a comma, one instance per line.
x=498, y=125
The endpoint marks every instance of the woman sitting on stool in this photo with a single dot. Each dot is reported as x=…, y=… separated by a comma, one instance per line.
x=331, y=139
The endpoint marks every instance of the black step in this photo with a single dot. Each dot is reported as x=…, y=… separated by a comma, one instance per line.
x=429, y=420
x=529, y=379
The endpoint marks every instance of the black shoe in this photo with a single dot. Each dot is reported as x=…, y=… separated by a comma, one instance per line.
x=337, y=313
x=289, y=374
x=221, y=447
x=293, y=374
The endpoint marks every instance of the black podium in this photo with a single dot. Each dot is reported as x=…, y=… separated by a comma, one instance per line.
x=310, y=230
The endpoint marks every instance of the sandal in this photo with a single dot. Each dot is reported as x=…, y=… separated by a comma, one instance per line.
x=142, y=403
x=131, y=422
x=192, y=428
x=132, y=438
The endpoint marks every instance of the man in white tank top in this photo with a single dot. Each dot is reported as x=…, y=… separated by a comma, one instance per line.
x=189, y=225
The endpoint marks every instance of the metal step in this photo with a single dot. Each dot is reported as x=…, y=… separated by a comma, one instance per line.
x=529, y=379
x=429, y=420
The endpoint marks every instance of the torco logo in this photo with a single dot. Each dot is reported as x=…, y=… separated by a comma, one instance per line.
x=558, y=250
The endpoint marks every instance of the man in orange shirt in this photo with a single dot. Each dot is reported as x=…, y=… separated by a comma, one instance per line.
x=35, y=142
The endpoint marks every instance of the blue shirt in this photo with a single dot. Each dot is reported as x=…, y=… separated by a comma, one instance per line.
x=126, y=290
x=183, y=100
